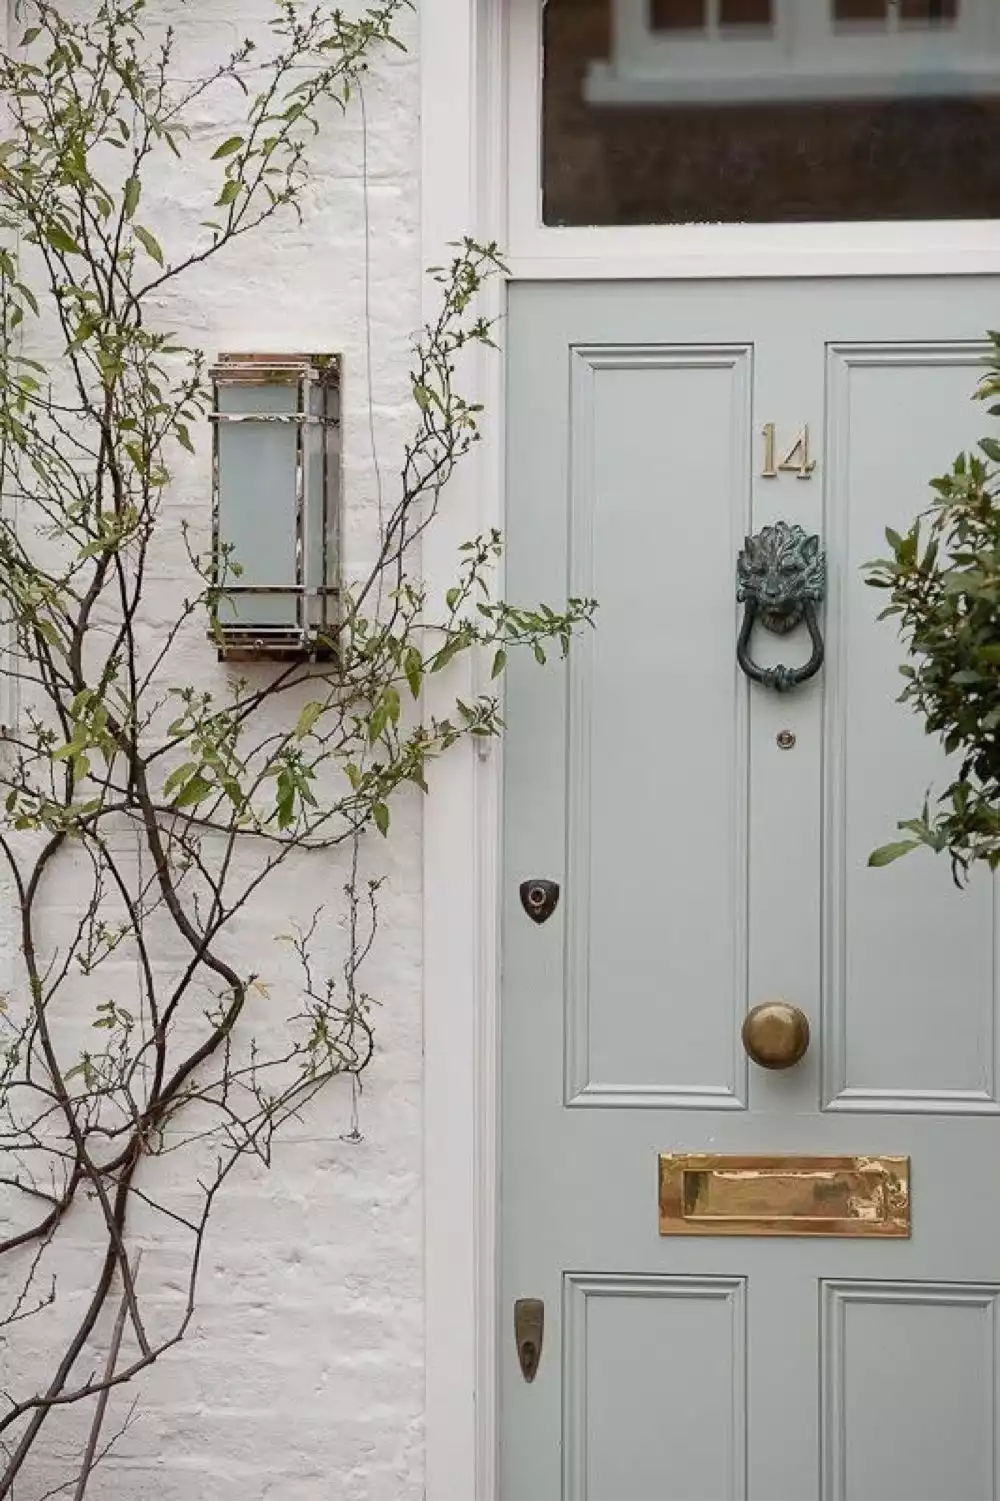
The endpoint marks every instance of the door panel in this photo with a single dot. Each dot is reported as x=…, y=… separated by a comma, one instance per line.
x=873, y=1411
x=708, y=864
x=897, y=415
x=621, y=1438
x=637, y=473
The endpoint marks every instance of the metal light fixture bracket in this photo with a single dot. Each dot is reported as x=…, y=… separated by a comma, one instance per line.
x=256, y=613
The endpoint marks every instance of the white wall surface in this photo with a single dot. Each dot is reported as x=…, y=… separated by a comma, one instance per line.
x=303, y=1376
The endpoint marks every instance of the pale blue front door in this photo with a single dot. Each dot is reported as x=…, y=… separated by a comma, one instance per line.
x=710, y=841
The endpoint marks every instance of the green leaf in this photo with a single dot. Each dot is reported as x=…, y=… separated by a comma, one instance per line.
x=380, y=813
x=285, y=804
x=150, y=244
x=61, y=240
x=390, y=697
x=230, y=192
x=890, y=852
x=451, y=649
x=179, y=775
x=499, y=663
x=307, y=719
x=194, y=791
x=227, y=148
x=413, y=666
x=133, y=191
x=377, y=723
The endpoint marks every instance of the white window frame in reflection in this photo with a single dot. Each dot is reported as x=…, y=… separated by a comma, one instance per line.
x=804, y=56
x=713, y=24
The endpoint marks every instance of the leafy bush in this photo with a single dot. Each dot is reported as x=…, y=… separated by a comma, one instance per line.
x=943, y=579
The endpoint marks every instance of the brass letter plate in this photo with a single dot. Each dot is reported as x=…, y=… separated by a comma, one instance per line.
x=705, y=1194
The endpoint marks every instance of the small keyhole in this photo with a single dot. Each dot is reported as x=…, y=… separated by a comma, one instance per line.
x=785, y=739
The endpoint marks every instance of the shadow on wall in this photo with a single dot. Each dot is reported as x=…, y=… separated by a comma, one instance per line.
x=883, y=159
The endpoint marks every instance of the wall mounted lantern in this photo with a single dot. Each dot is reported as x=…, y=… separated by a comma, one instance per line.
x=276, y=504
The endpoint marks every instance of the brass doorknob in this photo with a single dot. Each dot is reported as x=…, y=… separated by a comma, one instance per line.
x=776, y=1034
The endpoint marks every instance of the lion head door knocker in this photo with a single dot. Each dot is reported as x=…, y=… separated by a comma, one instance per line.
x=539, y=898
x=781, y=580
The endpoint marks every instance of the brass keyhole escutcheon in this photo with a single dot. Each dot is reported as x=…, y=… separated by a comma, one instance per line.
x=776, y=1035
x=529, y=1330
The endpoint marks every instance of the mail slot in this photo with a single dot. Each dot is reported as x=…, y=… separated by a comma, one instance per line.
x=707, y=1194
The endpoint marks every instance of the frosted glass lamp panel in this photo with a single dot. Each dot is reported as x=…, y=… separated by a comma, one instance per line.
x=257, y=501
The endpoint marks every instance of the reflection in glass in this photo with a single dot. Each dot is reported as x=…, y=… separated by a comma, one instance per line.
x=707, y=15
x=846, y=11
x=693, y=111
x=928, y=10
x=677, y=15
x=744, y=12
x=890, y=14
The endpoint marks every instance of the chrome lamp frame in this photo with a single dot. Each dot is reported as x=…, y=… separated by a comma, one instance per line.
x=308, y=629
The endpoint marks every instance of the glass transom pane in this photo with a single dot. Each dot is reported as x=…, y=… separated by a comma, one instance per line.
x=780, y=111
x=677, y=15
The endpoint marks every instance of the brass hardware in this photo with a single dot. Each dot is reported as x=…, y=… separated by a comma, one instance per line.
x=797, y=460
x=539, y=898
x=529, y=1330
x=705, y=1194
x=785, y=739
x=776, y=1035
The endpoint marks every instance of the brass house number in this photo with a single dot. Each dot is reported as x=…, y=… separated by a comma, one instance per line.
x=797, y=460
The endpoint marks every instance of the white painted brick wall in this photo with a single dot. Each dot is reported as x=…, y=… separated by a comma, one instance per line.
x=303, y=1376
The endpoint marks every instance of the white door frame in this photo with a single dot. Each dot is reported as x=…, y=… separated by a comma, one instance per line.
x=481, y=177
x=461, y=71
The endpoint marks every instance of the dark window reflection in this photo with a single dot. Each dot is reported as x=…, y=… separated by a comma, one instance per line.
x=918, y=12
x=846, y=11
x=928, y=10
x=921, y=144
x=677, y=15
x=744, y=12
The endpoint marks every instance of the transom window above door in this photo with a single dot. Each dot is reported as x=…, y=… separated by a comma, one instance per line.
x=894, y=15
x=709, y=15
x=770, y=111
x=719, y=16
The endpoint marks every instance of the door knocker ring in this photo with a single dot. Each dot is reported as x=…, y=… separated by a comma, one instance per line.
x=780, y=581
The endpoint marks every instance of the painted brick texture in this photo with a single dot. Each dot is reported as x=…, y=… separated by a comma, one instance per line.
x=302, y=1377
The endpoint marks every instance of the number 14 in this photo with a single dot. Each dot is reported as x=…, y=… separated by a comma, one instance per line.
x=796, y=460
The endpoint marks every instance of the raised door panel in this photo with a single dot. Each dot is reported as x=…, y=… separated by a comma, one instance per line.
x=909, y=1409
x=657, y=802
x=653, y=1389
x=910, y=971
